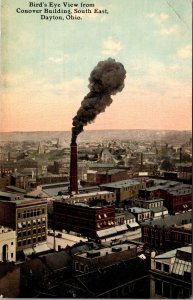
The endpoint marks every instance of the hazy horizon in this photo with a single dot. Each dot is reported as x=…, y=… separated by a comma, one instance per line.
x=128, y=129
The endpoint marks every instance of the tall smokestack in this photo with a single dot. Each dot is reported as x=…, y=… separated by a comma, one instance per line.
x=73, y=169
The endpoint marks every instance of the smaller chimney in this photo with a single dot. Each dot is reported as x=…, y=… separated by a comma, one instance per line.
x=141, y=162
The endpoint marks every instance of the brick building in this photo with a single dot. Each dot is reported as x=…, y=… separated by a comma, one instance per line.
x=177, y=201
x=177, y=196
x=28, y=218
x=167, y=233
x=124, y=189
x=102, y=177
x=94, y=259
x=83, y=219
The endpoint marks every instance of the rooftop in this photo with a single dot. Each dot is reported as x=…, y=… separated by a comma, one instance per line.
x=26, y=201
x=170, y=220
x=138, y=210
x=172, y=253
x=104, y=251
x=158, y=209
x=111, y=172
x=121, y=184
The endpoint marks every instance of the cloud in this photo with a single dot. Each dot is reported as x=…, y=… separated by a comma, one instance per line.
x=158, y=18
x=111, y=47
x=60, y=59
x=185, y=52
x=169, y=31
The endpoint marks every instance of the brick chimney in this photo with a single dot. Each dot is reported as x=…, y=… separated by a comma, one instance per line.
x=73, y=170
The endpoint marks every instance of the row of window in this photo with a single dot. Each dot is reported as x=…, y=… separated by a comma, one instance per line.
x=162, y=267
x=31, y=213
x=171, y=291
x=105, y=223
x=104, y=215
x=31, y=241
x=144, y=216
x=81, y=268
x=31, y=222
x=30, y=232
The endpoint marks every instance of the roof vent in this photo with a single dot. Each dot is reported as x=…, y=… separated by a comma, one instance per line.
x=116, y=249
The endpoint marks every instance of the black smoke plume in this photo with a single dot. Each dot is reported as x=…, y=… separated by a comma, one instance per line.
x=106, y=79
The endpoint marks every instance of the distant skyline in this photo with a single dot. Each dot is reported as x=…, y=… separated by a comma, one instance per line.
x=46, y=66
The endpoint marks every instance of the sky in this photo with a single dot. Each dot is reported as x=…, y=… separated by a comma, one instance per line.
x=45, y=65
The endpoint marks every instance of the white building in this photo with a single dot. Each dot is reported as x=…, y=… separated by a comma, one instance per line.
x=7, y=244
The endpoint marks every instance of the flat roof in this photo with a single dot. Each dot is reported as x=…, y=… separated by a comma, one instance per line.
x=138, y=210
x=169, y=220
x=109, y=250
x=158, y=209
x=172, y=253
x=93, y=194
x=111, y=172
x=122, y=183
x=25, y=201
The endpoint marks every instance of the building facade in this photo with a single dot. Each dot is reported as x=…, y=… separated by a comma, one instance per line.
x=83, y=219
x=28, y=218
x=167, y=233
x=171, y=274
x=7, y=244
x=125, y=189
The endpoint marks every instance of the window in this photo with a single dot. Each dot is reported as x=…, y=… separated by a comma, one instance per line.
x=81, y=267
x=158, y=265
x=158, y=287
x=19, y=244
x=11, y=255
x=76, y=266
x=11, y=243
x=166, y=268
x=19, y=215
x=166, y=290
x=29, y=241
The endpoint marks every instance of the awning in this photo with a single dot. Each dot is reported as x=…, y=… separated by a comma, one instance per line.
x=41, y=248
x=106, y=232
x=43, y=219
x=120, y=228
x=29, y=222
x=34, y=221
x=132, y=225
x=28, y=251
